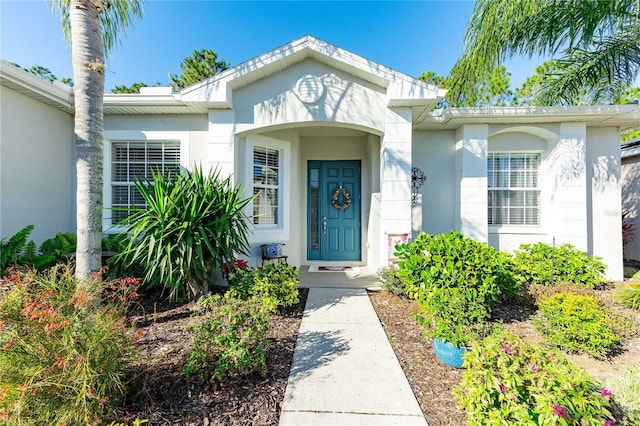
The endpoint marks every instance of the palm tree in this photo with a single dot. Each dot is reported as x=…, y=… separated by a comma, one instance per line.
x=596, y=45
x=91, y=26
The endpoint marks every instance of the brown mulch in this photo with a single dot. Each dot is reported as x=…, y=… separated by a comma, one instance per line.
x=161, y=393
x=430, y=380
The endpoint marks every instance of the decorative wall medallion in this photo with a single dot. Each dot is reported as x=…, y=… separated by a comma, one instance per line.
x=309, y=89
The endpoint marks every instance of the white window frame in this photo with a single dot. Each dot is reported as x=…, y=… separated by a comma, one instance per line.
x=115, y=136
x=280, y=231
x=519, y=228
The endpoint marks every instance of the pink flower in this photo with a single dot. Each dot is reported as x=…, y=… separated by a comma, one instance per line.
x=534, y=368
x=507, y=349
x=559, y=410
x=606, y=392
x=609, y=423
x=503, y=389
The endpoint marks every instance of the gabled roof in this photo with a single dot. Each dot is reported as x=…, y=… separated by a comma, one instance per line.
x=216, y=92
x=56, y=94
x=402, y=89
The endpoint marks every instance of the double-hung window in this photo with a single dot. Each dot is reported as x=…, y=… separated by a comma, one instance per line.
x=514, y=195
x=266, y=186
x=133, y=160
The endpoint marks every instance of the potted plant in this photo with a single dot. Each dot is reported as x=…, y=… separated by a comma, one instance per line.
x=456, y=280
x=455, y=322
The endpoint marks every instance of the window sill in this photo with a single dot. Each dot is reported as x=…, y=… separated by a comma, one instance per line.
x=510, y=229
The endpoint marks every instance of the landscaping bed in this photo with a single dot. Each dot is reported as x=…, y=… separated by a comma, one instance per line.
x=161, y=393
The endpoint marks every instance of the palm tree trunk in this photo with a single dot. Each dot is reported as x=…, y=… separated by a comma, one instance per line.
x=88, y=74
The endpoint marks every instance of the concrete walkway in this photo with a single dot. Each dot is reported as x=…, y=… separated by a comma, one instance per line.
x=344, y=370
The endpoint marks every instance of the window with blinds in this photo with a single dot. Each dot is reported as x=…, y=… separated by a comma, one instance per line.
x=514, y=196
x=133, y=160
x=266, y=185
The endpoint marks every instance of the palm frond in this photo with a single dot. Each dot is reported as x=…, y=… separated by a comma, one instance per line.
x=115, y=16
x=595, y=75
x=501, y=29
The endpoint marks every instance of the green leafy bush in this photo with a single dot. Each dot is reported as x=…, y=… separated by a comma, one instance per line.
x=540, y=292
x=625, y=386
x=636, y=276
x=230, y=338
x=63, y=355
x=507, y=381
x=11, y=250
x=630, y=271
x=576, y=324
x=193, y=224
x=543, y=264
x=276, y=283
x=629, y=296
x=390, y=281
x=456, y=280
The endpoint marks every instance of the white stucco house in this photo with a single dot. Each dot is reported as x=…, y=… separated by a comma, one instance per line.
x=631, y=194
x=308, y=124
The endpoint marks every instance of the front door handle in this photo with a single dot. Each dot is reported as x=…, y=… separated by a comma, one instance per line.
x=324, y=224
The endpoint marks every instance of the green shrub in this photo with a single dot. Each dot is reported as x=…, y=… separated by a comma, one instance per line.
x=230, y=338
x=543, y=264
x=576, y=323
x=510, y=382
x=630, y=271
x=63, y=355
x=629, y=296
x=390, y=281
x=11, y=250
x=193, y=224
x=456, y=281
x=625, y=387
x=540, y=292
x=452, y=260
x=636, y=277
x=276, y=283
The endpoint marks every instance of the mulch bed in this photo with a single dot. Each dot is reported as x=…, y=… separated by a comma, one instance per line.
x=430, y=380
x=162, y=394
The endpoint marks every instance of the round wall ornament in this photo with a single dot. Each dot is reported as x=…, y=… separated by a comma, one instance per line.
x=335, y=199
x=309, y=89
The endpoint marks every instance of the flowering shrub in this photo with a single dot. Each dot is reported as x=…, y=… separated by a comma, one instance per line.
x=230, y=338
x=576, y=324
x=275, y=283
x=507, y=381
x=63, y=355
x=626, y=387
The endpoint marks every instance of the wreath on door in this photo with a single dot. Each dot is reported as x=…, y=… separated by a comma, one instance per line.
x=335, y=199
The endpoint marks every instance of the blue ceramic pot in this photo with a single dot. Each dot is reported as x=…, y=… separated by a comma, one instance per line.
x=449, y=354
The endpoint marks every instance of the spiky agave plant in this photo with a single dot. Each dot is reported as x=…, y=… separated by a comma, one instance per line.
x=193, y=222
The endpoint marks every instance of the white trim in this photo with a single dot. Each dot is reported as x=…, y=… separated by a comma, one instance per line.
x=111, y=136
x=279, y=232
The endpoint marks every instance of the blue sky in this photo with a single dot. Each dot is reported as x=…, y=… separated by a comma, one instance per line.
x=408, y=36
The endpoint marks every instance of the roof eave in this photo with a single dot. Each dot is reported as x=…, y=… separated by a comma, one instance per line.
x=56, y=94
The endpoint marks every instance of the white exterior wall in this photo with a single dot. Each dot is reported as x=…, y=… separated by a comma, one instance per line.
x=604, y=199
x=631, y=200
x=37, y=167
x=395, y=178
x=471, y=180
x=273, y=102
x=434, y=153
x=566, y=177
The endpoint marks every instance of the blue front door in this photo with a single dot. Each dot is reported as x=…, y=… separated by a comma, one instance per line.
x=333, y=232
